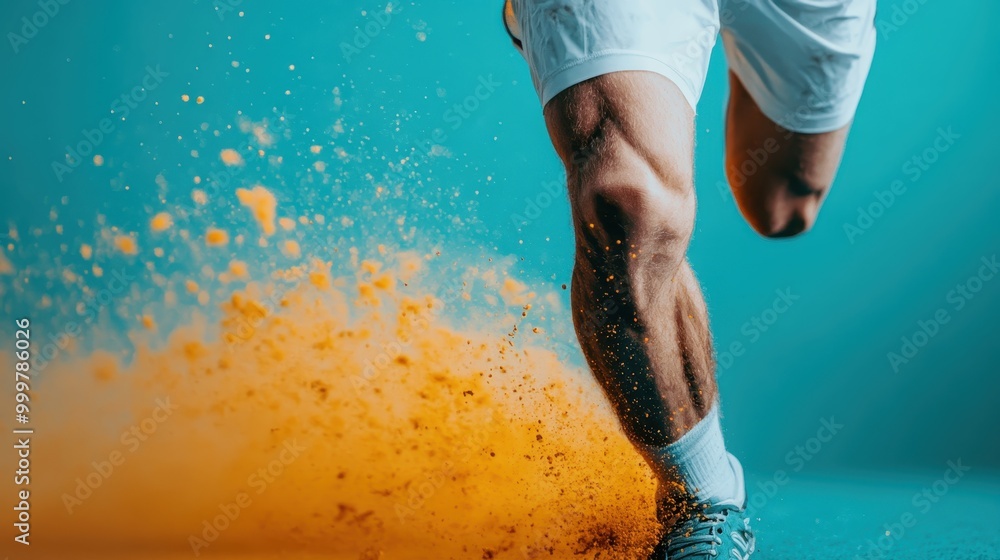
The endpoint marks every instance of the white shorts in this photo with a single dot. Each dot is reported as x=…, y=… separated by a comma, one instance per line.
x=803, y=61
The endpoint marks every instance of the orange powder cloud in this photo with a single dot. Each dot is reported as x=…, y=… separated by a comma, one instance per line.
x=335, y=427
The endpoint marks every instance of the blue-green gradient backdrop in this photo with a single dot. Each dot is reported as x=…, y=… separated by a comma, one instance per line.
x=936, y=67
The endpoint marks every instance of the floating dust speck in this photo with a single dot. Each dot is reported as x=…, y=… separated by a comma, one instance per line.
x=199, y=197
x=238, y=269
x=215, y=237
x=160, y=222
x=291, y=248
x=231, y=157
x=126, y=244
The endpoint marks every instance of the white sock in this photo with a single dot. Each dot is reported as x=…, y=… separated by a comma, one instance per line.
x=699, y=459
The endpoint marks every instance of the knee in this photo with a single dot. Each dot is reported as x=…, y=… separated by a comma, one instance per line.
x=637, y=223
x=781, y=206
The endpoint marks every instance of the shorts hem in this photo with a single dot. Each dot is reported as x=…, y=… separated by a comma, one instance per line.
x=790, y=118
x=808, y=124
x=608, y=62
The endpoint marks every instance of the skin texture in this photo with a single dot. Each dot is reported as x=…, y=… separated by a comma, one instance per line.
x=779, y=178
x=626, y=139
x=627, y=143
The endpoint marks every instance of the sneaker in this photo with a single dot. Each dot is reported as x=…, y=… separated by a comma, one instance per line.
x=719, y=530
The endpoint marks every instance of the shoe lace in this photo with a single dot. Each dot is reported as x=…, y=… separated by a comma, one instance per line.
x=701, y=534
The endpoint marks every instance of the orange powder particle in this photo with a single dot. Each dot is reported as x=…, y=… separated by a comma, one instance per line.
x=86, y=251
x=238, y=269
x=231, y=157
x=384, y=282
x=191, y=286
x=126, y=244
x=98, y=160
x=320, y=279
x=148, y=323
x=514, y=292
x=291, y=248
x=160, y=222
x=263, y=137
x=5, y=266
x=287, y=224
x=262, y=204
x=215, y=237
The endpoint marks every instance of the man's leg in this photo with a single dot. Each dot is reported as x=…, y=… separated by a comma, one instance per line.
x=779, y=178
x=626, y=141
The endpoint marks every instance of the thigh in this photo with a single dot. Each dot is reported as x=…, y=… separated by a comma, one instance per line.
x=779, y=177
x=623, y=128
x=566, y=42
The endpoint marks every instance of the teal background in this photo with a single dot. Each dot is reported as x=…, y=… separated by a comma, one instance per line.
x=826, y=356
